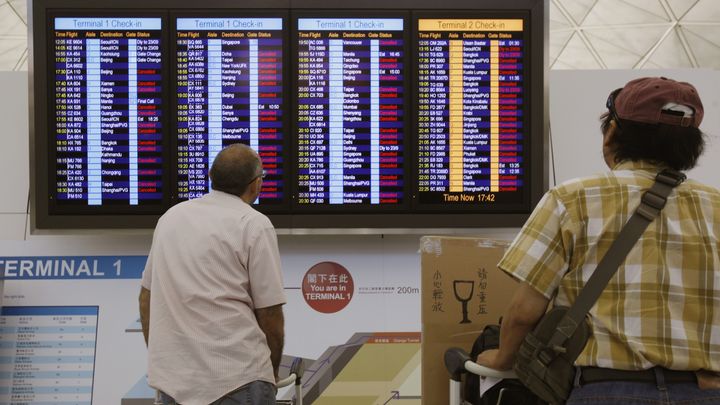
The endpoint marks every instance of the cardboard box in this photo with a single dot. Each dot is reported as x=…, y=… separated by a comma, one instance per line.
x=455, y=268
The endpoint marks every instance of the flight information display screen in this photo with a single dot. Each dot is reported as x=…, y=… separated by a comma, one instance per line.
x=368, y=116
x=470, y=119
x=350, y=111
x=229, y=74
x=106, y=99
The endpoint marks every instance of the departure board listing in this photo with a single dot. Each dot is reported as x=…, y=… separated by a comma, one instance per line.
x=47, y=355
x=230, y=90
x=107, y=103
x=351, y=111
x=470, y=111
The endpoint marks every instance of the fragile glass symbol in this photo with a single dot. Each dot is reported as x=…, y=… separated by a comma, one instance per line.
x=463, y=290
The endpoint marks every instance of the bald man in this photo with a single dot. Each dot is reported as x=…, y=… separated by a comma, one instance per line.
x=212, y=287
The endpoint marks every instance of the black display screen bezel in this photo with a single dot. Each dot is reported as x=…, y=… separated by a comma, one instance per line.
x=411, y=216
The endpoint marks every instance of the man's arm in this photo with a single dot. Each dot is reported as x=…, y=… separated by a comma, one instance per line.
x=526, y=308
x=272, y=323
x=145, y=312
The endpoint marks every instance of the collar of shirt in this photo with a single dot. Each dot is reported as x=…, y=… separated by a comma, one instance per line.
x=638, y=165
x=224, y=197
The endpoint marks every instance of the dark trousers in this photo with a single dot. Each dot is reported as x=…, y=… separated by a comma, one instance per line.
x=254, y=393
x=642, y=393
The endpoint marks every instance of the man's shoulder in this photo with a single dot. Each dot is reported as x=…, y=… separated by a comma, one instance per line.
x=258, y=219
x=182, y=208
x=693, y=190
x=573, y=189
x=697, y=186
x=570, y=188
x=238, y=213
x=176, y=209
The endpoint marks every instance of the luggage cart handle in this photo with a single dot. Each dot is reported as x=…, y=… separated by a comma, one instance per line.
x=296, y=372
x=458, y=362
x=297, y=369
x=483, y=371
x=286, y=381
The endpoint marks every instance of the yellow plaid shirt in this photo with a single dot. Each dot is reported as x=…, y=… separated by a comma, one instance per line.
x=662, y=307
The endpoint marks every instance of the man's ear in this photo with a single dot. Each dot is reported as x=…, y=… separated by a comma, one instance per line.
x=251, y=192
x=609, y=135
x=255, y=185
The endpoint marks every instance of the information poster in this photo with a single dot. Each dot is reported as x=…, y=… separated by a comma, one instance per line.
x=47, y=355
x=351, y=111
x=470, y=111
x=107, y=101
x=70, y=332
x=230, y=90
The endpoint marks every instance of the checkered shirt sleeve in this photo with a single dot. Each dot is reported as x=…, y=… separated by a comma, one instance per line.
x=540, y=253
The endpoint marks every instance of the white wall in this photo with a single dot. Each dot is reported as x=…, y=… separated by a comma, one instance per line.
x=577, y=99
x=14, y=167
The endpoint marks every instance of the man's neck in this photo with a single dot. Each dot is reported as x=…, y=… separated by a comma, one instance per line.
x=248, y=198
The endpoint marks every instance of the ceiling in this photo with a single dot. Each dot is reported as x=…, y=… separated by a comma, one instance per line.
x=634, y=34
x=584, y=34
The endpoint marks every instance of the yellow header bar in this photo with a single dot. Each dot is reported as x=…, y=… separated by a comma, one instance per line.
x=469, y=24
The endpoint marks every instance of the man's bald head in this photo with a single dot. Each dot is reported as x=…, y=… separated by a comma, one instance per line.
x=234, y=168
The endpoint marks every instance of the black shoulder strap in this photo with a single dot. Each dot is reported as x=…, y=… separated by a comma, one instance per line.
x=652, y=202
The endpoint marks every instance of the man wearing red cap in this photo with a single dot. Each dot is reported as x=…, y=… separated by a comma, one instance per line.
x=656, y=327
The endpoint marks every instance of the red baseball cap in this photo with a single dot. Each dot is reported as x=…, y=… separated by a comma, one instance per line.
x=659, y=100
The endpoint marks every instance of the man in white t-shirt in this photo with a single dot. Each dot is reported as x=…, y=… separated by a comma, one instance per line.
x=212, y=287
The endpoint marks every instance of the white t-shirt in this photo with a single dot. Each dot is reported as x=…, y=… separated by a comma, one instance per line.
x=213, y=261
